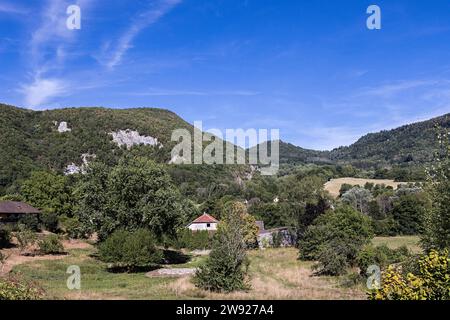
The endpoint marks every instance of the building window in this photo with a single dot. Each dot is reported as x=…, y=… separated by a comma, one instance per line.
x=208, y=225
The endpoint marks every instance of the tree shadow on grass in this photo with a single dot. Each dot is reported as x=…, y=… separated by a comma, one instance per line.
x=175, y=257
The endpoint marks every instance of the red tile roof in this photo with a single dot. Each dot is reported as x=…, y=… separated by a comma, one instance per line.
x=205, y=218
x=14, y=207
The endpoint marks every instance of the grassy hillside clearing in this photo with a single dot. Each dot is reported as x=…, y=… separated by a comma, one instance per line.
x=411, y=242
x=334, y=185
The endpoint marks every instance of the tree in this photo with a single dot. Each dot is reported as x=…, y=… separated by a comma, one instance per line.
x=302, y=199
x=137, y=193
x=408, y=212
x=49, y=192
x=226, y=267
x=334, y=239
x=359, y=198
x=249, y=227
x=437, y=218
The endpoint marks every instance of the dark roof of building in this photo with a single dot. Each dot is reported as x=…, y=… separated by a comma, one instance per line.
x=205, y=218
x=15, y=207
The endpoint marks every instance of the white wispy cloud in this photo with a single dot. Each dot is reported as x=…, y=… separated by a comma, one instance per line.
x=47, y=52
x=140, y=22
x=7, y=7
x=41, y=91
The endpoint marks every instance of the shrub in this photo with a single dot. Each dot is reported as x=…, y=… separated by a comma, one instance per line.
x=226, y=267
x=50, y=221
x=387, y=227
x=72, y=227
x=431, y=283
x=29, y=221
x=25, y=238
x=381, y=256
x=5, y=237
x=130, y=250
x=15, y=288
x=277, y=239
x=51, y=245
x=197, y=240
x=335, y=240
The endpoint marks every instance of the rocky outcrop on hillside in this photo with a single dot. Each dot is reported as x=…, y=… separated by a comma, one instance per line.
x=130, y=138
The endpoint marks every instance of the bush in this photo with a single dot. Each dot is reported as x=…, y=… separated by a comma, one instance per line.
x=30, y=222
x=197, y=240
x=431, y=283
x=335, y=239
x=387, y=227
x=72, y=227
x=15, y=288
x=51, y=245
x=5, y=237
x=277, y=239
x=381, y=256
x=50, y=221
x=25, y=238
x=130, y=250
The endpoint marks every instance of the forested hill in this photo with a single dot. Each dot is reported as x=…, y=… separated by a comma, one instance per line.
x=412, y=144
x=33, y=140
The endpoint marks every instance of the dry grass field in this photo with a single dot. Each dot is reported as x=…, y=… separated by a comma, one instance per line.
x=274, y=274
x=334, y=185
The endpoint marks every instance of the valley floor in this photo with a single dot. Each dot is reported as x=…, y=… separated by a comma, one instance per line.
x=275, y=274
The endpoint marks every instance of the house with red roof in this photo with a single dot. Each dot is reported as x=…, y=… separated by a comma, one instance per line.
x=204, y=222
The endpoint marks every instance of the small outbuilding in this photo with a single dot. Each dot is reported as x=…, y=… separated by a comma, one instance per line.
x=12, y=211
x=204, y=223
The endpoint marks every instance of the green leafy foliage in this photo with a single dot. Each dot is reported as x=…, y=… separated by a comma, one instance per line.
x=72, y=227
x=15, y=287
x=381, y=256
x=25, y=238
x=334, y=239
x=137, y=193
x=432, y=282
x=30, y=222
x=437, y=217
x=31, y=142
x=193, y=240
x=51, y=245
x=5, y=236
x=226, y=267
x=49, y=192
x=130, y=250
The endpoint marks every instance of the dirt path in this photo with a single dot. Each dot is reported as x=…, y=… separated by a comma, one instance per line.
x=15, y=257
x=171, y=272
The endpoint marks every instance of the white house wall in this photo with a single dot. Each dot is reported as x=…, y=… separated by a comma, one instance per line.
x=202, y=226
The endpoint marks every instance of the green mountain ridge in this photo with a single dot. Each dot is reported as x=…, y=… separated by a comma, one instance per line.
x=412, y=144
x=30, y=140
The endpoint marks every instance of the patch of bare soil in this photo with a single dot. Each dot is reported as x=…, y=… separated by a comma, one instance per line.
x=16, y=257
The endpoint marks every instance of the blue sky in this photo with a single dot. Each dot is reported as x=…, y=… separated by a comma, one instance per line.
x=310, y=68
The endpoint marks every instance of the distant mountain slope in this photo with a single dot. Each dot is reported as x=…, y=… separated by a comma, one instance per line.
x=30, y=140
x=60, y=139
x=414, y=143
